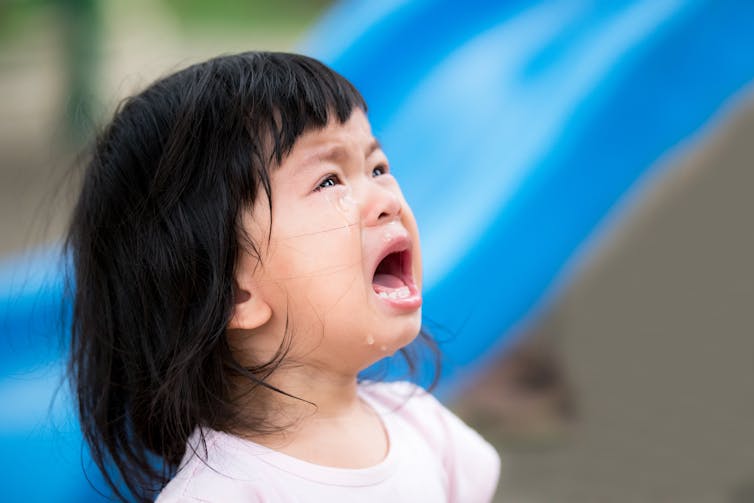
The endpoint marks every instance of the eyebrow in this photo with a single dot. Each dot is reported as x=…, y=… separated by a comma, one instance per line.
x=337, y=153
x=373, y=146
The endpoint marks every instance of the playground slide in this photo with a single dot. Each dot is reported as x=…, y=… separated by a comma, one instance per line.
x=514, y=128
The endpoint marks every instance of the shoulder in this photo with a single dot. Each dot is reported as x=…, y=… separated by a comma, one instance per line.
x=418, y=407
x=216, y=470
x=409, y=403
x=471, y=463
x=394, y=393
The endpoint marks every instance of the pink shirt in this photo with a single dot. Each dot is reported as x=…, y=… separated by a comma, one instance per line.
x=433, y=457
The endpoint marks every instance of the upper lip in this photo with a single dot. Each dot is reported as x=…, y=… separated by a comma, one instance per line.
x=398, y=243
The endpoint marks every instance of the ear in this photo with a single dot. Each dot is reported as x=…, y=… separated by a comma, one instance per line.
x=250, y=311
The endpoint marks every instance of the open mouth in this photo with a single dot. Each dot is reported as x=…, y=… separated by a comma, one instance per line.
x=392, y=278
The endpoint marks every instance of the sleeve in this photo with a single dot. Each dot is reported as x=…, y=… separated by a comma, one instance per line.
x=472, y=465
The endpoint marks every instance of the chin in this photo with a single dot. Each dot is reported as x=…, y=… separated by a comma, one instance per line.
x=406, y=334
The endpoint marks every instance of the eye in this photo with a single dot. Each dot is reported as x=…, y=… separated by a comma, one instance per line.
x=379, y=170
x=327, y=182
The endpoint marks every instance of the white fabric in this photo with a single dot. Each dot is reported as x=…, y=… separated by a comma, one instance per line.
x=433, y=457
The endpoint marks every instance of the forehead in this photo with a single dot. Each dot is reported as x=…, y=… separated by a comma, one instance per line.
x=336, y=141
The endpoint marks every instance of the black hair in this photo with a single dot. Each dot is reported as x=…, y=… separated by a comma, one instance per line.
x=154, y=240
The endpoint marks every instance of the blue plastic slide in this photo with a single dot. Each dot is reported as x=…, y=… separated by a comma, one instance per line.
x=514, y=127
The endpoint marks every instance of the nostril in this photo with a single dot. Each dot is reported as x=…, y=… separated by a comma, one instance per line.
x=384, y=206
x=390, y=213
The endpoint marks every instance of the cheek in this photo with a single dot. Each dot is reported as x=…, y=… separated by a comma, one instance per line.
x=340, y=205
x=331, y=210
x=316, y=254
x=316, y=266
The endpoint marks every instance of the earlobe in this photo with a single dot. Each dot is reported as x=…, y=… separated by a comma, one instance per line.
x=250, y=311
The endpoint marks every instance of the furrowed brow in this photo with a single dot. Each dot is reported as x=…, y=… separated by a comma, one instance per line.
x=332, y=153
x=373, y=146
x=337, y=153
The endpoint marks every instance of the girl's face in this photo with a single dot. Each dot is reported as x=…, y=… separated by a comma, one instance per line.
x=340, y=266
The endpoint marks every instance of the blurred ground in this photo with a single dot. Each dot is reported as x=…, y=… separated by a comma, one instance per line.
x=651, y=347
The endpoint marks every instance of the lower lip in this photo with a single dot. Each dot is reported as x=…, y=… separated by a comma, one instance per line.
x=410, y=303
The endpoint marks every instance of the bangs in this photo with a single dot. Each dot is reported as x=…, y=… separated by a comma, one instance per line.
x=295, y=95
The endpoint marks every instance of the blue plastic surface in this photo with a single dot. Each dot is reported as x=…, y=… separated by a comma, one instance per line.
x=514, y=128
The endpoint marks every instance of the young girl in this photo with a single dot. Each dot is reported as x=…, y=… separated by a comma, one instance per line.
x=242, y=252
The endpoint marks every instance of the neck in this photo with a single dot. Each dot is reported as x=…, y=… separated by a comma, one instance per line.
x=309, y=396
x=332, y=394
x=325, y=421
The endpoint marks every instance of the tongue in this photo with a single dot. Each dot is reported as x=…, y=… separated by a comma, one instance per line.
x=386, y=282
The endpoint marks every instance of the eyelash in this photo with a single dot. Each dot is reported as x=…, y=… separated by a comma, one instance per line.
x=333, y=179
x=383, y=168
x=324, y=183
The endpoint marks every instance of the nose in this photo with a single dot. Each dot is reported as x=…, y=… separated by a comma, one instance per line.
x=381, y=204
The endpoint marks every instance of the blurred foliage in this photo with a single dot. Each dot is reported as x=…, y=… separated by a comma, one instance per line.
x=83, y=30
x=17, y=15
x=245, y=14
x=79, y=30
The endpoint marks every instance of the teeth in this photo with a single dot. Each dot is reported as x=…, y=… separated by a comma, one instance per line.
x=400, y=293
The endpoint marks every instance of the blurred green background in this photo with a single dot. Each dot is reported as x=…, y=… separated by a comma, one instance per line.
x=65, y=64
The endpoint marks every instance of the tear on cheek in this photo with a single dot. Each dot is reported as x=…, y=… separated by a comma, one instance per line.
x=345, y=205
